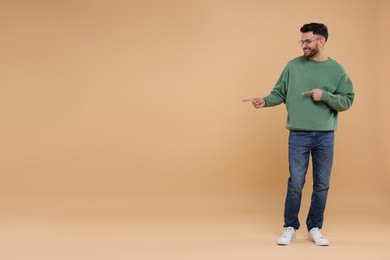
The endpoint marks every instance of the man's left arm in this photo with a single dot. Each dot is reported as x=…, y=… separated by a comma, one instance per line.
x=343, y=97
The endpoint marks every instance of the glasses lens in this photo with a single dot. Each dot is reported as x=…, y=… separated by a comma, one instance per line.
x=305, y=42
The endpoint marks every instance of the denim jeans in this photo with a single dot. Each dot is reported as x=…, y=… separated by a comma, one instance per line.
x=321, y=147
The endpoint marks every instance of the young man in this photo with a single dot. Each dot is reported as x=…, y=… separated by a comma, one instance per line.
x=314, y=88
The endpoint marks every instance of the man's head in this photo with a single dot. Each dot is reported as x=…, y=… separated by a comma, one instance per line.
x=314, y=37
x=316, y=28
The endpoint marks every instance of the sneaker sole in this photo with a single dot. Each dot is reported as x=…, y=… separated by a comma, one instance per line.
x=286, y=243
x=317, y=244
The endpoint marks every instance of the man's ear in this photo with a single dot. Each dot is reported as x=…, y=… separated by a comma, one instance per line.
x=322, y=41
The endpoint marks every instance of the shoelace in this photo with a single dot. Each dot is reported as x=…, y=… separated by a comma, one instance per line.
x=318, y=233
x=287, y=231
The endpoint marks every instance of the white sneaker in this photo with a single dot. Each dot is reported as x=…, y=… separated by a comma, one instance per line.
x=287, y=237
x=316, y=237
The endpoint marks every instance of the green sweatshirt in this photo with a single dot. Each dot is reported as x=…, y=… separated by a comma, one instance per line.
x=302, y=75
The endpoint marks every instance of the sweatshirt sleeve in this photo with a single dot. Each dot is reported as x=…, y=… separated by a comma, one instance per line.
x=279, y=92
x=343, y=97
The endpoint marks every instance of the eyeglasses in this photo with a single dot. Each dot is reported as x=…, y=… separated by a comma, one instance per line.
x=307, y=42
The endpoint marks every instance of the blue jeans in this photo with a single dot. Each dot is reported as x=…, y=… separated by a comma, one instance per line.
x=321, y=147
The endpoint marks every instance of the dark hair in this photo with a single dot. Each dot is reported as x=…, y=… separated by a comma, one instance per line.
x=316, y=28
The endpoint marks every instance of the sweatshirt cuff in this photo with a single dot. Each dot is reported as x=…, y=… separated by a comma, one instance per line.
x=265, y=100
x=325, y=96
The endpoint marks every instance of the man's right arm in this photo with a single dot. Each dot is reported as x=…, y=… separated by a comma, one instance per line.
x=279, y=92
x=277, y=95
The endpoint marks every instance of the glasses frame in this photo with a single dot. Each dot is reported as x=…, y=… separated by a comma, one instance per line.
x=307, y=42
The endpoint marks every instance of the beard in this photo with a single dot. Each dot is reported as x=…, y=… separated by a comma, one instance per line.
x=308, y=52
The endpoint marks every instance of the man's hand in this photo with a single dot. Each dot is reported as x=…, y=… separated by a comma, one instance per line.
x=315, y=94
x=257, y=102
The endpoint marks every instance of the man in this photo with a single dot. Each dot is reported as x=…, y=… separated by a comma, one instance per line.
x=314, y=88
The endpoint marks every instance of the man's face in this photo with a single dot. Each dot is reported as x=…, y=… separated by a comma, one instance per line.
x=310, y=44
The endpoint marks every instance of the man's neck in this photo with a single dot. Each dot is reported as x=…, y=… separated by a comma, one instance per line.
x=319, y=57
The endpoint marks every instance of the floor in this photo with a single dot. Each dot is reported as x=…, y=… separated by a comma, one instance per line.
x=82, y=230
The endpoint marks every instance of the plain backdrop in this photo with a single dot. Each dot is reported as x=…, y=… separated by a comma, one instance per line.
x=132, y=110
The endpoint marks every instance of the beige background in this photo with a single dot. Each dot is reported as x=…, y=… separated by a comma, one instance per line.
x=123, y=135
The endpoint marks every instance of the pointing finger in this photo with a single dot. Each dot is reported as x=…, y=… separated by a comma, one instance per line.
x=248, y=100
